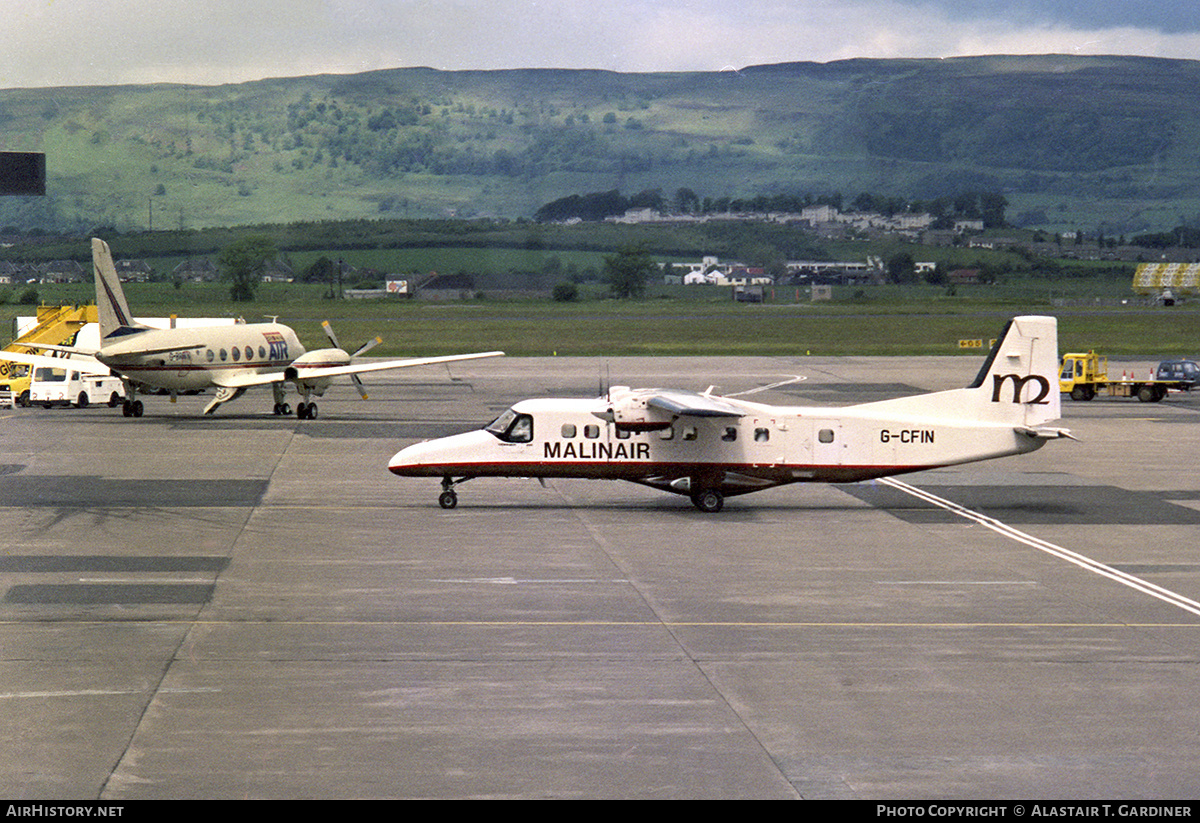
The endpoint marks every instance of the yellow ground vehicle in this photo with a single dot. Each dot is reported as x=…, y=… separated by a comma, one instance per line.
x=1083, y=376
x=56, y=326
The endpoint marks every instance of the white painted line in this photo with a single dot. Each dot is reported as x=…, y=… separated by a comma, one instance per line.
x=796, y=378
x=1166, y=595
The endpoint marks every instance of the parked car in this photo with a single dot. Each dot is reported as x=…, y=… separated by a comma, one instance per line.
x=1186, y=372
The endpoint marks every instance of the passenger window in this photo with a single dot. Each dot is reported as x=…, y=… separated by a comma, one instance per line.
x=826, y=436
x=223, y=355
x=591, y=432
x=210, y=355
x=237, y=354
x=262, y=353
x=568, y=430
x=249, y=353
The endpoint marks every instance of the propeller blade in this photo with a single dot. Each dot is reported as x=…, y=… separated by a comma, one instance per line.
x=329, y=333
x=358, y=384
x=366, y=347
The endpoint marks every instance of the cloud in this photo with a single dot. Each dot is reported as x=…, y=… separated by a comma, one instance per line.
x=56, y=42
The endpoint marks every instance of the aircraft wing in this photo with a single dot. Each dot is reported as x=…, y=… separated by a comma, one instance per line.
x=317, y=372
x=692, y=404
x=87, y=365
x=243, y=380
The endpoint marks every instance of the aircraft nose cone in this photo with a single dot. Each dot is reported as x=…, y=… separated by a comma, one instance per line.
x=441, y=456
x=406, y=458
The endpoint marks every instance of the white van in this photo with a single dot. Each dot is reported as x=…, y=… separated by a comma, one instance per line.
x=52, y=386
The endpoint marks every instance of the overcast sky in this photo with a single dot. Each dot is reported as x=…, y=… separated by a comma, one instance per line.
x=95, y=42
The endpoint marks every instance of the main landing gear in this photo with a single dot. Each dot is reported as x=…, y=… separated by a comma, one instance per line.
x=132, y=408
x=306, y=411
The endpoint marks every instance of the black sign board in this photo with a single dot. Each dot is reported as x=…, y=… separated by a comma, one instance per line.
x=22, y=172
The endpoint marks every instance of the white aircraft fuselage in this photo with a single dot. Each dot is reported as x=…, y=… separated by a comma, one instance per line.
x=769, y=446
x=708, y=447
x=154, y=357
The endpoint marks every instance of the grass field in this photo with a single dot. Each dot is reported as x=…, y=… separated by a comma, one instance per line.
x=880, y=321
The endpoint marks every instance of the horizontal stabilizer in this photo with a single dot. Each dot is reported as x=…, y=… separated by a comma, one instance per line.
x=86, y=365
x=1047, y=433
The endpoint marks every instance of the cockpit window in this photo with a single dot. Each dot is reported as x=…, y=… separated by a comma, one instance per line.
x=512, y=427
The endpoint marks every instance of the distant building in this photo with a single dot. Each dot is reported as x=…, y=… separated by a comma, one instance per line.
x=135, y=271
x=198, y=270
x=62, y=271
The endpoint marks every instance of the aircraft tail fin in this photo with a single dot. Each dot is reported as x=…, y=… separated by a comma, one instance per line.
x=1019, y=379
x=1017, y=386
x=111, y=306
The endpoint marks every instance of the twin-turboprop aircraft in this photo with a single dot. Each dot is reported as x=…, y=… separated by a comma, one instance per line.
x=231, y=358
x=709, y=447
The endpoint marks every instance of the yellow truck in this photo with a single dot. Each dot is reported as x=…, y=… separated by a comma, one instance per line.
x=56, y=326
x=1083, y=376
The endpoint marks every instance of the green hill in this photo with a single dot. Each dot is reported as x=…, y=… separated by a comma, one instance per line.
x=1072, y=142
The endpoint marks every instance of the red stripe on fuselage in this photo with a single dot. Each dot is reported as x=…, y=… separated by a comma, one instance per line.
x=636, y=470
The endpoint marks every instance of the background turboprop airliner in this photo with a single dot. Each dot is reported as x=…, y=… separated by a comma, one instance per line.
x=228, y=358
x=708, y=447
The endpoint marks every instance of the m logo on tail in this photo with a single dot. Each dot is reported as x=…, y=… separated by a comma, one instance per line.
x=1019, y=382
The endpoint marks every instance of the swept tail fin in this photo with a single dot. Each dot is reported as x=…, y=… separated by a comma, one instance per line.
x=1019, y=379
x=113, y=310
x=1017, y=386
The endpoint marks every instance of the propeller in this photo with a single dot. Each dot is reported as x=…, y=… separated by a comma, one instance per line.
x=364, y=348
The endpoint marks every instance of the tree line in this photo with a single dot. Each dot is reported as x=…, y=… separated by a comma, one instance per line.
x=595, y=206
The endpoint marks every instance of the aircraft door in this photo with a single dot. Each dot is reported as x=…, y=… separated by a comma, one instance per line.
x=828, y=443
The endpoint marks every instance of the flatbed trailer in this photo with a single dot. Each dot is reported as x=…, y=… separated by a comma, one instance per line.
x=1083, y=376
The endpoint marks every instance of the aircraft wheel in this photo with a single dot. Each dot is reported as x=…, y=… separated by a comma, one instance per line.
x=448, y=499
x=301, y=411
x=709, y=500
x=285, y=409
x=312, y=411
x=82, y=400
x=137, y=408
x=275, y=410
x=127, y=409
